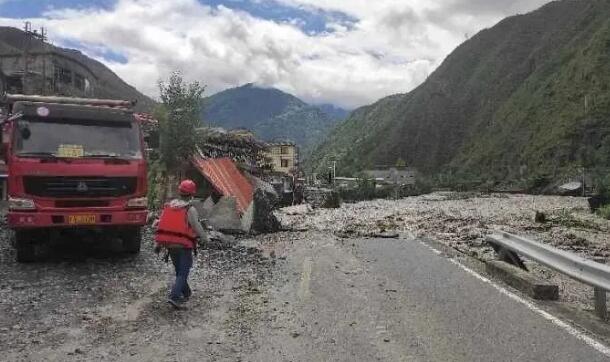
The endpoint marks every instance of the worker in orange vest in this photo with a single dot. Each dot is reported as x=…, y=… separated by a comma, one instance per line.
x=178, y=231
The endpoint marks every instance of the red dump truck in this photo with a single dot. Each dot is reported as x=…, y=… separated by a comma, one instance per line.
x=74, y=164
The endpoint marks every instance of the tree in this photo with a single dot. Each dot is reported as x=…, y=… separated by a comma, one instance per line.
x=179, y=116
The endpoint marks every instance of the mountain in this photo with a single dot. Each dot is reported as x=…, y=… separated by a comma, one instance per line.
x=334, y=111
x=109, y=85
x=527, y=98
x=271, y=114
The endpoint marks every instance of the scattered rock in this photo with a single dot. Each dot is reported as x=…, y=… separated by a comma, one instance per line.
x=386, y=235
x=219, y=241
x=303, y=209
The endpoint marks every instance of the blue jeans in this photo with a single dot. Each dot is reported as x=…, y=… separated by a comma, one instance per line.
x=182, y=260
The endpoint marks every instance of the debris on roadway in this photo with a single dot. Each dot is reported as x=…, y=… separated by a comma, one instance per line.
x=462, y=220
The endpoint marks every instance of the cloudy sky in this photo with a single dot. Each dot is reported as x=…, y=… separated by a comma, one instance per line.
x=345, y=52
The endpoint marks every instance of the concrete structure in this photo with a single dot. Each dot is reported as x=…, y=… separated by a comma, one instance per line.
x=47, y=72
x=393, y=175
x=346, y=182
x=283, y=157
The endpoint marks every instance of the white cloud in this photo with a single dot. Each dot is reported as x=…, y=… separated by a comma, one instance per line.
x=391, y=48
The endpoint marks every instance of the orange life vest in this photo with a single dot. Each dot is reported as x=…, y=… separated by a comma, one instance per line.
x=174, y=228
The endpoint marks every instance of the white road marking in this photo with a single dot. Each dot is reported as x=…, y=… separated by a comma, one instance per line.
x=598, y=346
x=303, y=291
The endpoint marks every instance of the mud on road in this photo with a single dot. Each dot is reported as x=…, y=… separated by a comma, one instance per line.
x=90, y=303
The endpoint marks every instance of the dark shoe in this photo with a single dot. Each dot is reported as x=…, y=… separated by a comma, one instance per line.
x=176, y=304
x=183, y=300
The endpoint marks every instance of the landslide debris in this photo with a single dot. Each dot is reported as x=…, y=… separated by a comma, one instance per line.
x=462, y=220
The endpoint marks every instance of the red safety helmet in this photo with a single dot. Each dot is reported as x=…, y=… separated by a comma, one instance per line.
x=187, y=187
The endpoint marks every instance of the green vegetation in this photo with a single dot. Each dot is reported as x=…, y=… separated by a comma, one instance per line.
x=518, y=106
x=179, y=117
x=604, y=212
x=156, y=184
x=602, y=184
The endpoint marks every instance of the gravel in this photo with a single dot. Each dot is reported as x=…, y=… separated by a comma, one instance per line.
x=88, y=302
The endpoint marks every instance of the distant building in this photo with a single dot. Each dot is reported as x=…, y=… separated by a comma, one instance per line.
x=283, y=157
x=393, y=175
x=47, y=72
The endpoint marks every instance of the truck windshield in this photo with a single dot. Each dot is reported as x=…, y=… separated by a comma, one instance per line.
x=77, y=138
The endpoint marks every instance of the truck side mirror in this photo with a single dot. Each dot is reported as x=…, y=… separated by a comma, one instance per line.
x=25, y=133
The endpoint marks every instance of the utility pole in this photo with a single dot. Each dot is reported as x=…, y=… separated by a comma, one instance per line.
x=584, y=192
x=28, y=30
x=586, y=104
x=43, y=37
x=29, y=35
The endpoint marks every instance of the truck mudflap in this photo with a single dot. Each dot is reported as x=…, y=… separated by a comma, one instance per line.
x=19, y=220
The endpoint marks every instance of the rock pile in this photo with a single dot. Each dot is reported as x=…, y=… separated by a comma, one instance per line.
x=322, y=198
x=463, y=220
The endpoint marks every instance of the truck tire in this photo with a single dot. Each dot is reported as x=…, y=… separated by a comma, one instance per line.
x=132, y=239
x=24, y=246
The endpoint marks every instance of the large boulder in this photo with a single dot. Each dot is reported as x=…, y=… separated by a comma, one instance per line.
x=322, y=198
x=265, y=201
x=264, y=221
x=224, y=216
x=204, y=208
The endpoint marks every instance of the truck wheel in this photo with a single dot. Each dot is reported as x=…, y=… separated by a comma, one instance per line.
x=24, y=246
x=132, y=239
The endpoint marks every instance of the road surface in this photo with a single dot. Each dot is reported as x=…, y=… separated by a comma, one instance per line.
x=387, y=299
x=305, y=297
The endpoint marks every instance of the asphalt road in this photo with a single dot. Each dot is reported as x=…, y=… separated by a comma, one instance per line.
x=401, y=301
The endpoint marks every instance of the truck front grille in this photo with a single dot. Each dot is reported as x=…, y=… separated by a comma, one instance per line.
x=79, y=186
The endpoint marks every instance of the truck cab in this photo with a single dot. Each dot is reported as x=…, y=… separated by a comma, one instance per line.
x=73, y=163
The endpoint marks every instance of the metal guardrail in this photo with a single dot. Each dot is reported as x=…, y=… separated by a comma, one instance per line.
x=586, y=271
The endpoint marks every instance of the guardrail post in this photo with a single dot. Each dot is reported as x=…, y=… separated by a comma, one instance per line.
x=600, y=303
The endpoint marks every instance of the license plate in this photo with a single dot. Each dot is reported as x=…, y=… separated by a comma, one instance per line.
x=81, y=219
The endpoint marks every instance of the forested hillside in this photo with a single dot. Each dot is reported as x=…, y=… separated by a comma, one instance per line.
x=525, y=99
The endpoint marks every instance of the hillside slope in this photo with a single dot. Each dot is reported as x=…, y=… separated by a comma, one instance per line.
x=110, y=85
x=509, y=103
x=271, y=114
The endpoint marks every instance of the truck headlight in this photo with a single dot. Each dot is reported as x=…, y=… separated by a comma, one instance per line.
x=137, y=203
x=15, y=203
